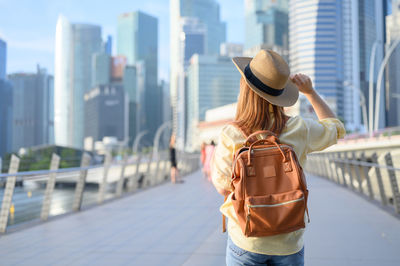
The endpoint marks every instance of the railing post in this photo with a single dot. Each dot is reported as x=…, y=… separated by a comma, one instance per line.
x=393, y=183
x=336, y=165
x=54, y=165
x=137, y=175
x=347, y=166
x=165, y=171
x=120, y=184
x=159, y=158
x=80, y=184
x=332, y=163
x=103, y=184
x=8, y=193
x=327, y=166
x=364, y=170
x=357, y=170
x=379, y=179
x=342, y=169
x=133, y=181
x=147, y=177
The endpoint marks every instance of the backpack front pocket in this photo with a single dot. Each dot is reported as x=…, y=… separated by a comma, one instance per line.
x=275, y=213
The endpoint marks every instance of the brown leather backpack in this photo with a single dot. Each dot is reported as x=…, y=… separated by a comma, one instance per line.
x=269, y=188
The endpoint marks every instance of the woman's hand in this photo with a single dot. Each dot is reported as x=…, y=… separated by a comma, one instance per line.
x=303, y=82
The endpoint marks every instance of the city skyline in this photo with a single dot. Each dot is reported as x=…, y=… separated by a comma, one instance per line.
x=27, y=47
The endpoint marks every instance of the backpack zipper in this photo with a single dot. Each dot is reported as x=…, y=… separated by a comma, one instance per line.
x=272, y=205
x=270, y=148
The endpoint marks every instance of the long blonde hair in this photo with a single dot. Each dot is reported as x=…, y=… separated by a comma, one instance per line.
x=253, y=112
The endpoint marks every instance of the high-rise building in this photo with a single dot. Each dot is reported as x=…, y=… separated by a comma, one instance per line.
x=332, y=42
x=101, y=69
x=33, y=109
x=193, y=34
x=208, y=13
x=137, y=40
x=231, y=49
x=75, y=46
x=315, y=43
x=393, y=69
x=106, y=109
x=266, y=26
x=134, y=85
x=6, y=117
x=212, y=81
x=108, y=45
x=3, y=59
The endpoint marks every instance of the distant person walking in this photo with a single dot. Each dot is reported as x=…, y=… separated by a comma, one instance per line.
x=172, y=157
x=209, y=152
x=265, y=88
x=203, y=156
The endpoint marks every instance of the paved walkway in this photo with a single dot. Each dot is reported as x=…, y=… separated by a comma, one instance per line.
x=180, y=225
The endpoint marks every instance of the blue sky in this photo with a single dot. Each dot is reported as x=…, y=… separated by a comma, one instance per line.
x=29, y=26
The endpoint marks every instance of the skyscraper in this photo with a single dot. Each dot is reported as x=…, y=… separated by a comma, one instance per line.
x=6, y=117
x=75, y=46
x=332, y=42
x=315, y=43
x=33, y=109
x=101, y=69
x=212, y=81
x=193, y=35
x=3, y=59
x=208, y=13
x=137, y=40
x=393, y=84
x=105, y=111
x=108, y=45
x=266, y=26
x=231, y=49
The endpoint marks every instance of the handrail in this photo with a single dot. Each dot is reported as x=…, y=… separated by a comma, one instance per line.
x=375, y=180
x=40, y=205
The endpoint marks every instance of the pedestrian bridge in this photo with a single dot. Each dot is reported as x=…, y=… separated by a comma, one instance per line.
x=180, y=225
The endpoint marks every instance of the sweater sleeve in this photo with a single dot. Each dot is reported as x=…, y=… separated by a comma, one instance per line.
x=323, y=133
x=222, y=162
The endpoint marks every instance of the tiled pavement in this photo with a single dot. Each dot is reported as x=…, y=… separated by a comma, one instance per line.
x=180, y=225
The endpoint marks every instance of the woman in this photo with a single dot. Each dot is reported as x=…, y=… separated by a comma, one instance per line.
x=172, y=157
x=209, y=152
x=265, y=88
x=203, y=157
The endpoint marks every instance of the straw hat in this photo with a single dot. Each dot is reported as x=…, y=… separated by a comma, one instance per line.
x=267, y=74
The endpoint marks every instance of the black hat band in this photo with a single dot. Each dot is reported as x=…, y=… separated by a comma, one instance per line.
x=259, y=84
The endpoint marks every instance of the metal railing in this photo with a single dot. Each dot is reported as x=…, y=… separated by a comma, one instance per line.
x=374, y=177
x=52, y=192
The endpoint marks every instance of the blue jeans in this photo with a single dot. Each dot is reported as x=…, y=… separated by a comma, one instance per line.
x=236, y=256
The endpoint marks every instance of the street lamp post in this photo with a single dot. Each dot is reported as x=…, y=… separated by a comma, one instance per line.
x=379, y=81
x=362, y=102
x=371, y=86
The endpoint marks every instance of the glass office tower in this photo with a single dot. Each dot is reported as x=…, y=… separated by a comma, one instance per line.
x=266, y=26
x=208, y=13
x=33, y=111
x=137, y=40
x=3, y=59
x=75, y=46
x=212, y=81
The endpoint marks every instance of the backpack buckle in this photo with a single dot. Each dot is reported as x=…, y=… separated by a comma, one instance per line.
x=251, y=171
x=287, y=166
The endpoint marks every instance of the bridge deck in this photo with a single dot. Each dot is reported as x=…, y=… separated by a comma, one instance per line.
x=180, y=224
